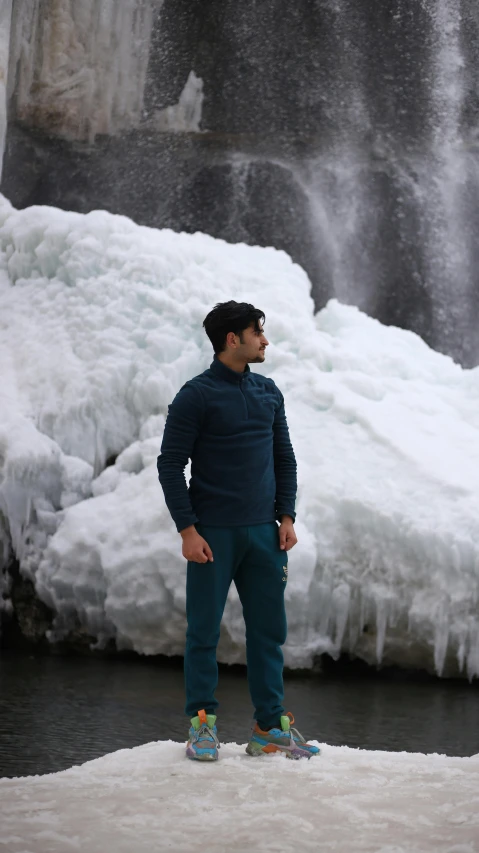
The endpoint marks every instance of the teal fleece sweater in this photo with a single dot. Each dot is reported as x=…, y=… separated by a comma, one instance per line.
x=233, y=428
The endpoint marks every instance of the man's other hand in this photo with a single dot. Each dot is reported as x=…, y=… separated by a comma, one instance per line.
x=287, y=536
x=195, y=548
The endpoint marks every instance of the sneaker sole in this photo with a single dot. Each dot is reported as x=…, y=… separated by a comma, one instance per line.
x=193, y=756
x=255, y=750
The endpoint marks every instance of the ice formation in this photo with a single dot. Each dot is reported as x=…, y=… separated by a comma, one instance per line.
x=186, y=114
x=152, y=798
x=5, y=20
x=101, y=324
x=79, y=68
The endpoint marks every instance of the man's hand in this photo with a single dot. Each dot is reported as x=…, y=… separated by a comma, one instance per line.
x=195, y=548
x=287, y=536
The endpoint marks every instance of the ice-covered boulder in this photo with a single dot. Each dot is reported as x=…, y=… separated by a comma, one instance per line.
x=101, y=323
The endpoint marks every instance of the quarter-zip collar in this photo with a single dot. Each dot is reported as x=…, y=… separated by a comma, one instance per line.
x=224, y=372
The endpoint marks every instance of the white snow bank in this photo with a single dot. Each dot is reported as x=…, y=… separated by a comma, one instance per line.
x=101, y=323
x=153, y=798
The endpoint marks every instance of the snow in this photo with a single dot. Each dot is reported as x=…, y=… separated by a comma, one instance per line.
x=153, y=798
x=101, y=323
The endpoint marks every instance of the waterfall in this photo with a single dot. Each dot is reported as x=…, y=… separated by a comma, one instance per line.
x=346, y=133
x=451, y=170
x=391, y=183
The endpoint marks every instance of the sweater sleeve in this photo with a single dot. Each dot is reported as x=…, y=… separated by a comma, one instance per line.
x=183, y=423
x=284, y=463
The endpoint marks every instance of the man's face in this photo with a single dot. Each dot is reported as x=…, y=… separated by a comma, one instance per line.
x=252, y=344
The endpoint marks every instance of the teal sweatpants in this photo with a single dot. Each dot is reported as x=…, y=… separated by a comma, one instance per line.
x=251, y=557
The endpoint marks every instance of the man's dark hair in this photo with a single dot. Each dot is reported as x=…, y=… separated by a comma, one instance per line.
x=230, y=317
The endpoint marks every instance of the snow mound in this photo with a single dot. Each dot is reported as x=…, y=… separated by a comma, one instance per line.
x=153, y=798
x=101, y=323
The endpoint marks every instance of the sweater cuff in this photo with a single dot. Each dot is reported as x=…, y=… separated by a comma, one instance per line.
x=290, y=512
x=185, y=521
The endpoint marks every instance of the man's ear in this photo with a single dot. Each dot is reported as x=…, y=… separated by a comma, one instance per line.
x=231, y=339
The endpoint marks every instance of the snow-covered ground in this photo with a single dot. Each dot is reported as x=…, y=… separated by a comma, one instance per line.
x=152, y=798
x=101, y=323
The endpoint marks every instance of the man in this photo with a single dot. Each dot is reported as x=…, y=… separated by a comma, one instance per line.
x=231, y=423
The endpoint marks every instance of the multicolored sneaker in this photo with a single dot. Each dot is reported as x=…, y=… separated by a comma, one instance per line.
x=285, y=739
x=203, y=743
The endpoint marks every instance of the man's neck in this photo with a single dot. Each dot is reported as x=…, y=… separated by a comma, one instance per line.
x=233, y=365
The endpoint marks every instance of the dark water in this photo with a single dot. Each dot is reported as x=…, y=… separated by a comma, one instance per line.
x=56, y=712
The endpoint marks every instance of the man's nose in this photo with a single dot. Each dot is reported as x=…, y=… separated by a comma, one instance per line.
x=265, y=342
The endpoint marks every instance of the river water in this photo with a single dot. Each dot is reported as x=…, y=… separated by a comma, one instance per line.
x=56, y=712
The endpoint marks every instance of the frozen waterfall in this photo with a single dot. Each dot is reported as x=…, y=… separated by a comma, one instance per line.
x=77, y=69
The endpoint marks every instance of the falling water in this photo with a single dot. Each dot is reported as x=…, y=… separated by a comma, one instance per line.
x=392, y=191
x=343, y=131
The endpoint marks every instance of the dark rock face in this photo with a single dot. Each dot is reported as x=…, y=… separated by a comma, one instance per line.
x=28, y=619
x=28, y=624
x=343, y=131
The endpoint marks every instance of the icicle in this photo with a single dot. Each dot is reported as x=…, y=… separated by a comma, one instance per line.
x=341, y=600
x=441, y=637
x=382, y=610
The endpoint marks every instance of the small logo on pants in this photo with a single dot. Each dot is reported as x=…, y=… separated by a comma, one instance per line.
x=285, y=576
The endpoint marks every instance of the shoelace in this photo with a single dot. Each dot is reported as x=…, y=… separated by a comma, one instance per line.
x=207, y=734
x=297, y=734
x=294, y=731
